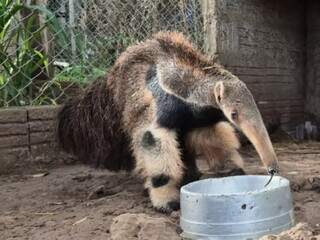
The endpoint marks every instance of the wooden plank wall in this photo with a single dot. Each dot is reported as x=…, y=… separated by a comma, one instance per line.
x=313, y=60
x=262, y=42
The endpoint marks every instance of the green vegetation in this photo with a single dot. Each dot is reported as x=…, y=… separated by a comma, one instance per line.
x=24, y=70
x=20, y=61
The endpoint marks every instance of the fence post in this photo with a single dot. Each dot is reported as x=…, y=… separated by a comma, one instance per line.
x=72, y=26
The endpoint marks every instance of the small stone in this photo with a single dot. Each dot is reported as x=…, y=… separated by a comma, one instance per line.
x=38, y=175
x=82, y=178
x=299, y=232
x=142, y=227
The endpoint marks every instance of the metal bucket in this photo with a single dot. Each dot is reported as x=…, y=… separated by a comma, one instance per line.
x=236, y=208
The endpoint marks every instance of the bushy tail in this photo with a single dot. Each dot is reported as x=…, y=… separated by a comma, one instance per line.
x=90, y=127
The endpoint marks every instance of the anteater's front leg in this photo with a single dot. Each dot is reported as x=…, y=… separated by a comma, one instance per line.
x=217, y=144
x=158, y=159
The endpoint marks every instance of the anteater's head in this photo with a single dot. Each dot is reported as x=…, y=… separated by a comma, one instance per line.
x=237, y=103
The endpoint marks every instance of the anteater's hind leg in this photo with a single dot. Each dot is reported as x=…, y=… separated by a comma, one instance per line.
x=158, y=158
x=217, y=144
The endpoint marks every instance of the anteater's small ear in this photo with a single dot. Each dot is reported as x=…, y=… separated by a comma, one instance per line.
x=219, y=91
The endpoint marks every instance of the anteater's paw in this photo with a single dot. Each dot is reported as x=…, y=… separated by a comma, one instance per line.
x=165, y=199
x=229, y=173
x=169, y=207
x=236, y=172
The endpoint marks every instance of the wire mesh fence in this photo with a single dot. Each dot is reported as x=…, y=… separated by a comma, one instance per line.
x=51, y=49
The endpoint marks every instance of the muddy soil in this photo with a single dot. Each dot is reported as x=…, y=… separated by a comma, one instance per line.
x=78, y=202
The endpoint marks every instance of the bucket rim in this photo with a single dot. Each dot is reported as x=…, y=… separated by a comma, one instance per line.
x=187, y=189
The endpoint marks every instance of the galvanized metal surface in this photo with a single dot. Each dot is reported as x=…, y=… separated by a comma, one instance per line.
x=236, y=208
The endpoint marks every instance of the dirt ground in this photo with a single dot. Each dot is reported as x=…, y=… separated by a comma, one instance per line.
x=78, y=202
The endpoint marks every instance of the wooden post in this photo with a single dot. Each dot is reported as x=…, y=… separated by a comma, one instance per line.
x=210, y=26
x=46, y=43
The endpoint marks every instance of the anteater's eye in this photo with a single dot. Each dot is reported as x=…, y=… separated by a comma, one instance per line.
x=234, y=115
x=219, y=99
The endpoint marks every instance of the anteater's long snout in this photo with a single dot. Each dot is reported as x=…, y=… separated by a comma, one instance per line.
x=259, y=137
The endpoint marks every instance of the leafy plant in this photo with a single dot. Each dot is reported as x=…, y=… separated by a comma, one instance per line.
x=94, y=57
x=79, y=74
x=20, y=61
